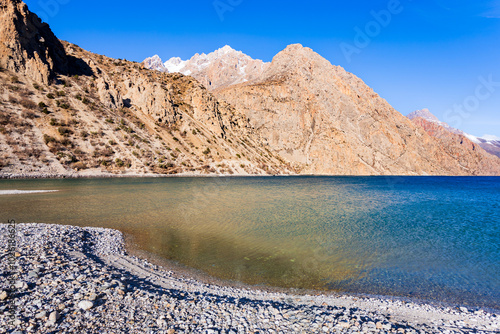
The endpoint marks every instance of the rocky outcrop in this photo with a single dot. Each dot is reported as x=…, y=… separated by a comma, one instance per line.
x=468, y=154
x=325, y=120
x=27, y=45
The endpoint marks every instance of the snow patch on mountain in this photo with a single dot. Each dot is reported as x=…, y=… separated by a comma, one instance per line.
x=491, y=138
x=175, y=64
x=472, y=138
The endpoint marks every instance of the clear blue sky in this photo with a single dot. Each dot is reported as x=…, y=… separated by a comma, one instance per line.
x=428, y=53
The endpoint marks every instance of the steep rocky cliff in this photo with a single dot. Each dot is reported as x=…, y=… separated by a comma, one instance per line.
x=28, y=46
x=69, y=111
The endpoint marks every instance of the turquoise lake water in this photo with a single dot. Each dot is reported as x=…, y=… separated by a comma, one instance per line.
x=432, y=238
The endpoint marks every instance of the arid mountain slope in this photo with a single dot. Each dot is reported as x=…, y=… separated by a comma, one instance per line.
x=327, y=121
x=112, y=117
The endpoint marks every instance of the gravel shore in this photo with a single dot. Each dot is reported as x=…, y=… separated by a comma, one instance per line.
x=65, y=279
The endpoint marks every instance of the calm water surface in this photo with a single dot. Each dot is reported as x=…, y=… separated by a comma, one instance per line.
x=436, y=238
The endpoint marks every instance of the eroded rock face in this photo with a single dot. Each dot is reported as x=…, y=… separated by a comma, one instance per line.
x=469, y=155
x=27, y=45
x=328, y=121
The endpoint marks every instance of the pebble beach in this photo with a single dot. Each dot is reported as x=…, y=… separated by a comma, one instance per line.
x=66, y=279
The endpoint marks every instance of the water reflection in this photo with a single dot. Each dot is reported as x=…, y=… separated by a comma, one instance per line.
x=426, y=237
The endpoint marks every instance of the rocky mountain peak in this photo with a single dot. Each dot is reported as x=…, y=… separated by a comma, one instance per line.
x=424, y=113
x=295, y=59
x=27, y=45
x=154, y=63
x=226, y=49
x=298, y=51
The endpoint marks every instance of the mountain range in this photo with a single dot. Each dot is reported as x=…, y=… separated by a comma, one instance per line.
x=489, y=143
x=67, y=111
x=221, y=68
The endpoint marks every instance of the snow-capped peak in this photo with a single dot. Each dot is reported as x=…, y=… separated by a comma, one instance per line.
x=175, y=64
x=226, y=49
x=174, y=61
x=223, y=67
x=425, y=114
x=490, y=138
x=155, y=63
x=489, y=143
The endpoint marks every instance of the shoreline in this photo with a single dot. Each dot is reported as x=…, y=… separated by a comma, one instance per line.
x=182, y=271
x=74, y=279
x=11, y=176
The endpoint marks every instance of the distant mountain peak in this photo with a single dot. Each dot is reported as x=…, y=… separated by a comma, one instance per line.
x=223, y=67
x=424, y=113
x=175, y=65
x=489, y=143
x=226, y=49
x=491, y=138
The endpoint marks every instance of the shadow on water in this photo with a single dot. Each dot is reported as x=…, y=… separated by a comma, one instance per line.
x=243, y=261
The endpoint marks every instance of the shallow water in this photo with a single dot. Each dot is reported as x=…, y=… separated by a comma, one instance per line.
x=436, y=238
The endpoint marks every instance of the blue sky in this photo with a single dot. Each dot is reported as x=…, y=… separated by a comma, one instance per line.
x=438, y=54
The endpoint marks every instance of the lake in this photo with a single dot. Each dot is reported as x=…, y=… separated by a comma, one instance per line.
x=431, y=238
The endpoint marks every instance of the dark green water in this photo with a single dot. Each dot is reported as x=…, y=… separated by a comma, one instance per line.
x=434, y=238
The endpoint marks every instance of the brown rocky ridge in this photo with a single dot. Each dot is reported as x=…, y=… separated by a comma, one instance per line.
x=328, y=121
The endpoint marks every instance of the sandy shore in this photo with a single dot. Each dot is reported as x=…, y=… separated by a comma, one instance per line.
x=64, y=279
